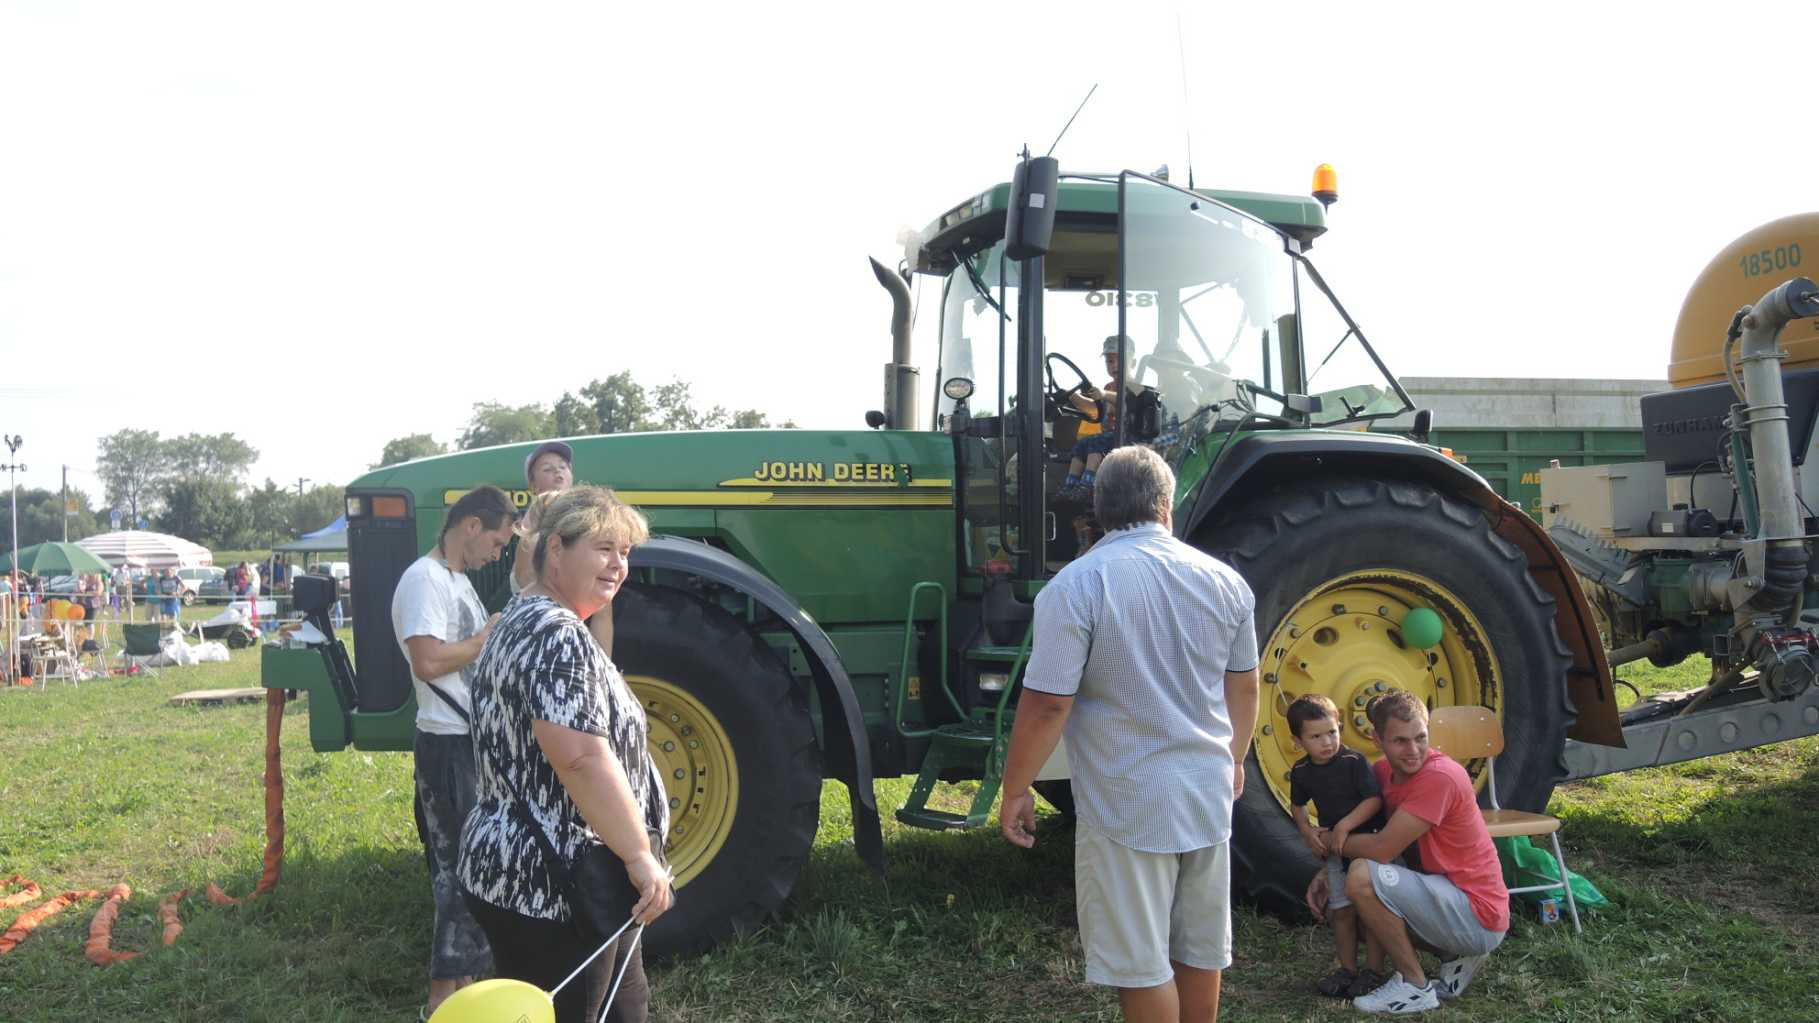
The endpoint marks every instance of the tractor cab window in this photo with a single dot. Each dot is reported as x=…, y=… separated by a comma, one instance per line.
x=1208, y=303
x=1342, y=370
x=979, y=299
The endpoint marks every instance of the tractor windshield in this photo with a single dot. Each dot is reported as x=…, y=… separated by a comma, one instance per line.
x=1222, y=317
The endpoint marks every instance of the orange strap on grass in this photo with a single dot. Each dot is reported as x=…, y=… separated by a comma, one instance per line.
x=101, y=930
x=167, y=912
x=30, y=919
x=274, y=806
x=28, y=892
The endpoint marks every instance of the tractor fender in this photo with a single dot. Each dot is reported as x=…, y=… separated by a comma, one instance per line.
x=1256, y=462
x=845, y=748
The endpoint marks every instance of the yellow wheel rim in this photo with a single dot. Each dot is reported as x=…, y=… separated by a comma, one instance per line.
x=700, y=773
x=1343, y=641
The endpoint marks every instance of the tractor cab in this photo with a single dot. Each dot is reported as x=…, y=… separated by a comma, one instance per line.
x=1200, y=308
x=1221, y=323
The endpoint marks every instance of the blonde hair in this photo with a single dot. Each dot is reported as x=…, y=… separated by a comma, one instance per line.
x=586, y=513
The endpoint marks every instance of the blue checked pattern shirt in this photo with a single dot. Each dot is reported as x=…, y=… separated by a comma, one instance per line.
x=1140, y=631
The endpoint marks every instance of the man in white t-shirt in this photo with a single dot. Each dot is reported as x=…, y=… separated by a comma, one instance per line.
x=441, y=626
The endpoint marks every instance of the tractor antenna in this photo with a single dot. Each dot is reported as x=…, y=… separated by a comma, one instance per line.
x=1187, y=105
x=1070, y=121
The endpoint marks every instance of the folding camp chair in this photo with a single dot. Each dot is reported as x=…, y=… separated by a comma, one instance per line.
x=1473, y=733
x=140, y=641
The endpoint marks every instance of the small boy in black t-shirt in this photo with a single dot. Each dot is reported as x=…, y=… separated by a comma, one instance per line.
x=1344, y=791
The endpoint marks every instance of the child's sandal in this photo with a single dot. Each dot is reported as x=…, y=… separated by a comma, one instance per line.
x=1337, y=983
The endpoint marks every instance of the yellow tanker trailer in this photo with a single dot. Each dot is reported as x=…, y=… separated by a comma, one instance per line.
x=1705, y=547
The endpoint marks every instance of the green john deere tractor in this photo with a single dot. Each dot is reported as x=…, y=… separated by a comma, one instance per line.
x=856, y=604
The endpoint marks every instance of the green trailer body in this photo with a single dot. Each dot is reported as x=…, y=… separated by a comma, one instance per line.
x=1511, y=460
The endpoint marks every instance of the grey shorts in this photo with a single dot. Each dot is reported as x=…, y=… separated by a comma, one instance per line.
x=446, y=791
x=1434, y=908
x=1335, y=883
x=1140, y=910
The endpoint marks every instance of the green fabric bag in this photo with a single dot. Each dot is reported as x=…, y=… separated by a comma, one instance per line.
x=1524, y=864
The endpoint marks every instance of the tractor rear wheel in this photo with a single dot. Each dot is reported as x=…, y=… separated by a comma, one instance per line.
x=1335, y=565
x=736, y=750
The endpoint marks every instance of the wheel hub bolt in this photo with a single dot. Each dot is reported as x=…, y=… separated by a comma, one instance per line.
x=1269, y=677
x=674, y=802
x=1338, y=609
x=1269, y=729
x=669, y=747
x=1382, y=612
x=1294, y=633
x=1439, y=683
x=681, y=774
x=694, y=744
x=688, y=730
x=1364, y=624
x=675, y=719
x=1360, y=722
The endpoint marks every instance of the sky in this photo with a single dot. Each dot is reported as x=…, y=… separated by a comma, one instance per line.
x=324, y=226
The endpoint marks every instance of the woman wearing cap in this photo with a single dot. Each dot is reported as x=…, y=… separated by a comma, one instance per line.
x=560, y=747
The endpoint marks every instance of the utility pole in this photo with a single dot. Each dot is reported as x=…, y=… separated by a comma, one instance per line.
x=300, y=482
x=12, y=617
x=66, y=504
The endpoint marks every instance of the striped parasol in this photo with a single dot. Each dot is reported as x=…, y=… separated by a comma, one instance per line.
x=154, y=550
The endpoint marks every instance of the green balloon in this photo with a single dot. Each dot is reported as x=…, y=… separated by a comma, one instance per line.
x=1421, y=628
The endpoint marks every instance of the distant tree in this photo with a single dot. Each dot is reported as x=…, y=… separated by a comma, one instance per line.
x=619, y=404
x=206, y=510
x=675, y=409
x=270, y=509
x=41, y=519
x=493, y=423
x=211, y=456
x=573, y=417
x=319, y=506
x=131, y=463
x=750, y=419
x=403, y=449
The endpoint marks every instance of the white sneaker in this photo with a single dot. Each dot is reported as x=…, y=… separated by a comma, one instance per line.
x=1455, y=974
x=1397, y=997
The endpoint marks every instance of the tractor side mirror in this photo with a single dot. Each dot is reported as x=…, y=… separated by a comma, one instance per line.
x=1029, y=224
x=1424, y=424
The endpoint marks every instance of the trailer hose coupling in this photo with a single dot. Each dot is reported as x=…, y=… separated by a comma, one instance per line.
x=1785, y=663
x=1794, y=299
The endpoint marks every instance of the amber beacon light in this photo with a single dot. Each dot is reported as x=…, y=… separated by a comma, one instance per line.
x=1326, y=185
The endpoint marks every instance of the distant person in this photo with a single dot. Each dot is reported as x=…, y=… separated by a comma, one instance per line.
x=123, y=590
x=1145, y=655
x=1100, y=434
x=1461, y=910
x=171, y=589
x=441, y=627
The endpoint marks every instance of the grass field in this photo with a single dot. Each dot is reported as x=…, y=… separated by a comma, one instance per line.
x=1708, y=865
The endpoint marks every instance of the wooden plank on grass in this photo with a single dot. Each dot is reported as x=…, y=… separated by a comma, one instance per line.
x=217, y=697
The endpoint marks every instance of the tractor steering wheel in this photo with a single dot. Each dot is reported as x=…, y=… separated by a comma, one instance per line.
x=1060, y=399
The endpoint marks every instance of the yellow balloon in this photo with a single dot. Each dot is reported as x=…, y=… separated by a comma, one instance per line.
x=497, y=1001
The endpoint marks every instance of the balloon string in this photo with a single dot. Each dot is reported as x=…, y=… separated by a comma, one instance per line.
x=603, y=947
x=607, y=1006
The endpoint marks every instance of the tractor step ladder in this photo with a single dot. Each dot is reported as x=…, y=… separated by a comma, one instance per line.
x=975, y=747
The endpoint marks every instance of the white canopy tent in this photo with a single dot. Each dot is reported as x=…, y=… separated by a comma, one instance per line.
x=153, y=550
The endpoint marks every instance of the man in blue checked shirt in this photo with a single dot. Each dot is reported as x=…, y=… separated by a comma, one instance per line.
x=1145, y=657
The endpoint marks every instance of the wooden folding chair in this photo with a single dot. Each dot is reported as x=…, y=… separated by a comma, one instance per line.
x=1475, y=733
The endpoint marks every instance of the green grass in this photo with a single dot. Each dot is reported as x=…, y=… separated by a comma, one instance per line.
x=1708, y=865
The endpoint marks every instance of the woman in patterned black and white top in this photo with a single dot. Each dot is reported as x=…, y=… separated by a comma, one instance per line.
x=555, y=723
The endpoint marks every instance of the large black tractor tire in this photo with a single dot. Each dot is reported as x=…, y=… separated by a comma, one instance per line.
x=746, y=795
x=1292, y=544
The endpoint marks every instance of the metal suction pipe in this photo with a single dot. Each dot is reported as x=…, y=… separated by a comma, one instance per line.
x=1766, y=418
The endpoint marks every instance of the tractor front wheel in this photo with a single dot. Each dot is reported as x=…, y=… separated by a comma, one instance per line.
x=1336, y=566
x=734, y=745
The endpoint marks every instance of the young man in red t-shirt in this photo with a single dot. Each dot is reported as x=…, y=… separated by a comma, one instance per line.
x=1460, y=908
